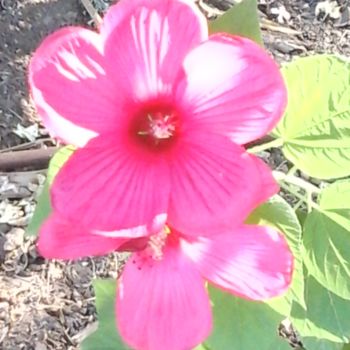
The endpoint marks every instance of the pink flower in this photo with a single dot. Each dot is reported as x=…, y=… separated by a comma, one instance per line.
x=162, y=302
x=159, y=112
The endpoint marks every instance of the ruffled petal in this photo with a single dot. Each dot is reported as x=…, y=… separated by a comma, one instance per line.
x=113, y=190
x=62, y=239
x=162, y=304
x=146, y=42
x=215, y=185
x=70, y=87
x=232, y=87
x=253, y=262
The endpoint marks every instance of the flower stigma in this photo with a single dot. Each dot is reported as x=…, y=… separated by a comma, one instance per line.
x=160, y=128
x=156, y=128
x=154, y=249
x=156, y=244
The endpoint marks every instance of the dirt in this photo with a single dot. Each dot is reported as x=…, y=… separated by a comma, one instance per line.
x=23, y=24
x=312, y=29
x=49, y=304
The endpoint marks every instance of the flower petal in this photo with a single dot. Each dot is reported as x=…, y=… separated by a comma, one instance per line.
x=232, y=87
x=253, y=262
x=113, y=190
x=162, y=304
x=70, y=88
x=146, y=42
x=62, y=239
x=266, y=181
x=215, y=185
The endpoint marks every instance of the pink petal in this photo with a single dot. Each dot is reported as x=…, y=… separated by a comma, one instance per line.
x=268, y=184
x=215, y=185
x=70, y=88
x=162, y=304
x=62, y=239
x=253, y=262
x=113, y=190
x=232, y=87
x=146, y=42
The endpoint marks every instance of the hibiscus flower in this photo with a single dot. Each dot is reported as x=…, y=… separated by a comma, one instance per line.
x=160, y=112
x=162, y=301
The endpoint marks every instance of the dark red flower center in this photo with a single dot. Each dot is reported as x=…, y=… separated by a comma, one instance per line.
x=155, y=127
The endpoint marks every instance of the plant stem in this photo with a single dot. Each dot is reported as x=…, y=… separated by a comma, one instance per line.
x=287, y=181
x=297, y=181
x=272, y=144
x=298, y=204
x=310, y=203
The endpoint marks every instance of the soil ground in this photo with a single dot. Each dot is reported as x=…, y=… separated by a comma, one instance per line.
x=49, y=304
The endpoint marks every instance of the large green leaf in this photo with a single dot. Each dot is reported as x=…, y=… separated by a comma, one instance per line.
x=316, y=127
x=312, y=343
x=43, y=207
x=243, y=325
x=106, y=337
x=326, y=316
x=279, y=214
x=242, y=19
x=327, y=239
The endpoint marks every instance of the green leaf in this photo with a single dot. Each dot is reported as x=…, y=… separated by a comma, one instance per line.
x=242, y=19
x=312, y=343
x=106, y=337
x=316, y=126
x=57, y=161
x=279, y=214
x=327, y=239
x=41, y=212
x=326, y=316
x=243, y=325
x=202, y=347
x=302, y=215
x=43, y=207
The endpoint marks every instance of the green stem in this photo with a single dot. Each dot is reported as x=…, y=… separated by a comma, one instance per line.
x=272, y=144
x=297, y=181
x=287, y=181
x=310, y=204
x=309, y=201
x=298, y=204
